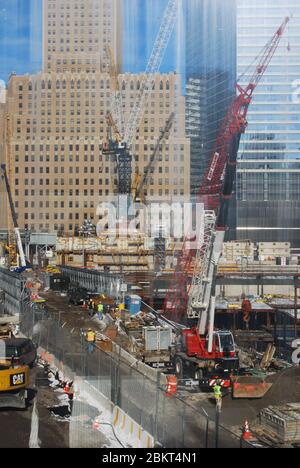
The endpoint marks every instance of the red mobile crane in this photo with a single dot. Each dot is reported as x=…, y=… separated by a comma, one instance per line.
x=193, y=292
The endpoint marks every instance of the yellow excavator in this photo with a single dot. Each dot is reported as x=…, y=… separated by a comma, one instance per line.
x=14, y=378
x=14, y=382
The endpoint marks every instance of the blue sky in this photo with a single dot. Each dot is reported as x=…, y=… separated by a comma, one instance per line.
x=21, y=36
x=141, y=25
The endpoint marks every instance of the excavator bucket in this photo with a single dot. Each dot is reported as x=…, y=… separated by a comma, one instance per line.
x=250, y=387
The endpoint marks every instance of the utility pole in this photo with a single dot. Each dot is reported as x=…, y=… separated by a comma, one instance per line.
x=218, y=415
x=207, y=428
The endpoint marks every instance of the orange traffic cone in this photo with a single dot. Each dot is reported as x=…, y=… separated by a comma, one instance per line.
x=96, y=424
x=247, y=434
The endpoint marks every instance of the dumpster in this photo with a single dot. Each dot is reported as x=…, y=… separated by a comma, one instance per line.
x=133, y=304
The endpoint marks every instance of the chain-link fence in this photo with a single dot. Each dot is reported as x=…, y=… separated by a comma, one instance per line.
x=12, y=287
x=171, y=421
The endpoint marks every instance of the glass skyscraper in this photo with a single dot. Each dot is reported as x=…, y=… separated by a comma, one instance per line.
x=268, y=180
x=210, y=75
x=20, y=37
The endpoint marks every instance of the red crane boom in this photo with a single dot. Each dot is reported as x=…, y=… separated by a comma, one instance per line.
x=217, y=185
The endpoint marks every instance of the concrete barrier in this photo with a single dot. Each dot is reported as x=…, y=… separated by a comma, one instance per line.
x=135, y=434
x=151, y=373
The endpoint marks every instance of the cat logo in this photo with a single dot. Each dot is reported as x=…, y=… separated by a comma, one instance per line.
x=17, y=379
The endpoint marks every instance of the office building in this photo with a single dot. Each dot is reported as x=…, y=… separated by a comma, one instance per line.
x=268, y=181
x=57, y=123
x=210, y=74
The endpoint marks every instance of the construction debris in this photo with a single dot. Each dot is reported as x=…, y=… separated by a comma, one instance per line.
x=268, y=357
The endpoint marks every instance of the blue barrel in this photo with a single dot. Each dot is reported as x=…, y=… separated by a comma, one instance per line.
x=133, y=304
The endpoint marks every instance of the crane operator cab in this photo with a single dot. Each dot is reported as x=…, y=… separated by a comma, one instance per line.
x=225, y=350
x=224, y=343
x=122, y=145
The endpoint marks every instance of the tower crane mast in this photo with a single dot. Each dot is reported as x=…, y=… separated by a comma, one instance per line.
x=121, y=147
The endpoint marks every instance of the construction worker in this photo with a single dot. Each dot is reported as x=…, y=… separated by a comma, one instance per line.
x=91, y=339
x=91, y=308
x=69, y=391
x=218, y=394
x=100, y=311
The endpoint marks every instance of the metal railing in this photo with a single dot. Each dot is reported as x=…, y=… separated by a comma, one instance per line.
x=106, y=283
x=258, y=269
x=13, y=287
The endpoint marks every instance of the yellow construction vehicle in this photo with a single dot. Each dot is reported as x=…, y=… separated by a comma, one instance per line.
x=10, y=252
x=14, y=382
x=14, y=376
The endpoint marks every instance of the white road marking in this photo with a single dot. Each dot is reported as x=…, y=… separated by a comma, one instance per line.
x=34, y=434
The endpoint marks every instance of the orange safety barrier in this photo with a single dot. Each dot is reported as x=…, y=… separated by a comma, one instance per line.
x=171, y=385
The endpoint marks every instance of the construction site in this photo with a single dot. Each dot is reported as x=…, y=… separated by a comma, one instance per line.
x=130, y=317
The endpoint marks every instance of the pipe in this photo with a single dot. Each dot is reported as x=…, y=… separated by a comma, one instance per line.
x=211, y=323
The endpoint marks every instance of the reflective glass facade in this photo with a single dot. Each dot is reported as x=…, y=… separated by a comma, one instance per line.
x=20, y=37
x=268, y=181
x=210, y=75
